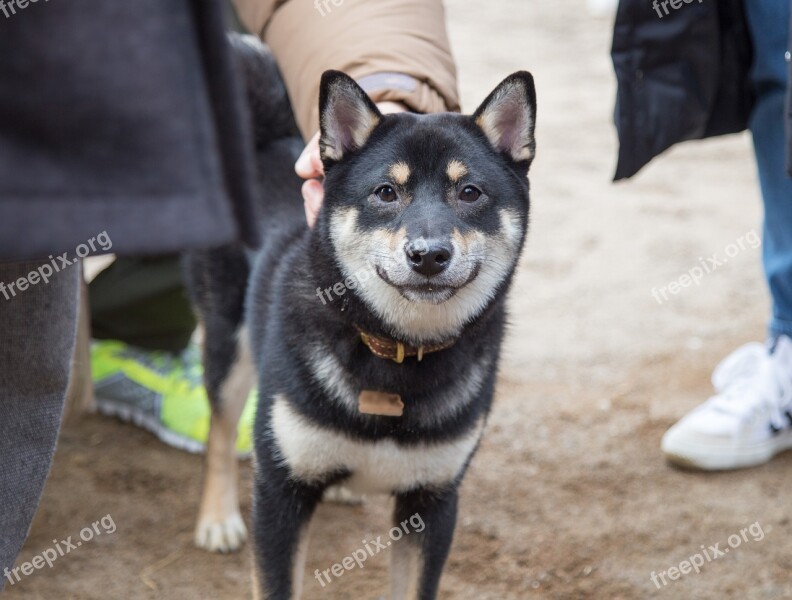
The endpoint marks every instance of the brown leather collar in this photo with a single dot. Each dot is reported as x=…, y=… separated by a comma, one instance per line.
x=397, y=351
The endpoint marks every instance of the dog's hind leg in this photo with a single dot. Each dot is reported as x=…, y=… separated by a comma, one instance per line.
x=220, y=527
x=426, y=519
x=217, y=281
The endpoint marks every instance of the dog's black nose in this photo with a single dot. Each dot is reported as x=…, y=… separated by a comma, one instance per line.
x=428, y=257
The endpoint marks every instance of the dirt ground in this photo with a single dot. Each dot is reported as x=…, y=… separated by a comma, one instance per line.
x=569, y=496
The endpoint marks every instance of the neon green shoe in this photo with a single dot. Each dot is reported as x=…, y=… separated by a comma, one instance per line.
x=161, y=393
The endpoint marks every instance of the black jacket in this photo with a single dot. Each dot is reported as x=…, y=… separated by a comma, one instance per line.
x=124, y=117
x=681, y=77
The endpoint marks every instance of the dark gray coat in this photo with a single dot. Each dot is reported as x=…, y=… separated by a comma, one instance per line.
x=680, y=78
x=125, y=117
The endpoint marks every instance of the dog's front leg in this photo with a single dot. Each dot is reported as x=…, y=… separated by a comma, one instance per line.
x=427, y=519
x=282, y=513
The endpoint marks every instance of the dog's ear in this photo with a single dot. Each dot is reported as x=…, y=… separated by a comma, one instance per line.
x=508, y=117
x=347, y=116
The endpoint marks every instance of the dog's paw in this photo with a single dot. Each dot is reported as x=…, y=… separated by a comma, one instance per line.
x=338, y=494
x=226, y=535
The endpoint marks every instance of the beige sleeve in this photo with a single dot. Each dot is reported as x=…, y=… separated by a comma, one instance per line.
x=397, y=49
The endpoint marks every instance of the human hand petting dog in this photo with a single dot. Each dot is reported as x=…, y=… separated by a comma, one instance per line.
x=309, y=166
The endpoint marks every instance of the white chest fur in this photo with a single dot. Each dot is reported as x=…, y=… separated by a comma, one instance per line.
x=311, y=452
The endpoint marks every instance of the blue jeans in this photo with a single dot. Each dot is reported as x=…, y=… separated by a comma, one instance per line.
x=768, y=21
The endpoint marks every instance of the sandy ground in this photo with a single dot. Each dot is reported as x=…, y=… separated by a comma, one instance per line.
x=569, y=496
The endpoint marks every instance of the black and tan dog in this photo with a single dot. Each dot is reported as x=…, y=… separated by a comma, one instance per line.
x=376, y=335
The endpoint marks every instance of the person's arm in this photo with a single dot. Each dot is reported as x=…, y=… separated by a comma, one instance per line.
x=397, y=50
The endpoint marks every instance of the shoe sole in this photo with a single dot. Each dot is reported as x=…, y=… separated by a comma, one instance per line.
x=111, y=408
x=725, y=458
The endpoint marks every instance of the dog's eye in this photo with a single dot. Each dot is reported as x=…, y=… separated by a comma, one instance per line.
x=469, y=194
x=386, y=193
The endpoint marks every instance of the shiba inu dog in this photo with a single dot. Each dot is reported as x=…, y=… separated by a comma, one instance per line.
x=374, y=338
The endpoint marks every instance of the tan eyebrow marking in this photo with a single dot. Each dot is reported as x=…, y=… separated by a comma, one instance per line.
x=456, y=171
x=400, y=173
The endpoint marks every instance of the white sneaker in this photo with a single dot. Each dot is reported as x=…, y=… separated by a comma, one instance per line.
x=748, y=421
